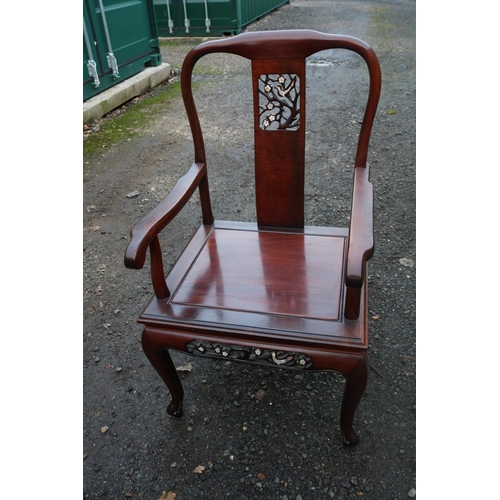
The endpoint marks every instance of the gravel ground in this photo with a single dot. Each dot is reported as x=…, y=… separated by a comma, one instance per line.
x=250, y=432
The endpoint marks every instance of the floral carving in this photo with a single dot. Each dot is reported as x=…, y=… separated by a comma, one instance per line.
x=279, y=102
x=257, y=355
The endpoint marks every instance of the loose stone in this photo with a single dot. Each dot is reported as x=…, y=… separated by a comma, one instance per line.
x=260, y=394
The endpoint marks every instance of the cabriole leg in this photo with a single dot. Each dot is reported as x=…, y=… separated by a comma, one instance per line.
x=162, y=362
x=355, y=386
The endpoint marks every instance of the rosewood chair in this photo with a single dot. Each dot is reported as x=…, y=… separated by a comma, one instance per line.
x=275, y=292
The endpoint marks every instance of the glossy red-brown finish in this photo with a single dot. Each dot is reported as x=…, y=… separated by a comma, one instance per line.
x=279, y=155
x=144, y=232
x=273, y=292
x=201, y=306
x=238, y=270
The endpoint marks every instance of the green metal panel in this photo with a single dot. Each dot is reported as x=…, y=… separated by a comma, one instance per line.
x=122, y=39
x=251, y=10
x=195, y=17
x=209, y=17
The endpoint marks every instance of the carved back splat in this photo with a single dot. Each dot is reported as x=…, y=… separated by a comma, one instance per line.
x=279, y=128
x=278, y=63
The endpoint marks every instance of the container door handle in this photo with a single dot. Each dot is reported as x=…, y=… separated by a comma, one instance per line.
x=186, y=20
x=91, y=65
x=113, y=65
x=170, y=22
x=207, y=19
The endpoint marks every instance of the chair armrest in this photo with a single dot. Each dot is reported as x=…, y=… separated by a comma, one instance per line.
x=146, y=230
x=360, y=244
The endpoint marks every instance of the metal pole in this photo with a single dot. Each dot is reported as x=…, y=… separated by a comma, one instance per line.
x=207, y=20
x=113, y=65
x=186, y=20
x=91, y=64
x=239, y=16
x=170, y=22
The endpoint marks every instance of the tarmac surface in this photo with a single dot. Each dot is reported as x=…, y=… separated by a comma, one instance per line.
x=251, y=432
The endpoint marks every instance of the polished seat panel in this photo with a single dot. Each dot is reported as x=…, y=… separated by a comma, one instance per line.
x=209, y=310
x=267, y=272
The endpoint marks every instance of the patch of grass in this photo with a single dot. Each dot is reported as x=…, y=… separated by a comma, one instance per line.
x=385, y=28
x=382, y=26
x=206, y=70
x=132, y=122
x=175, y=50
x=380, y=17
x=179, y=42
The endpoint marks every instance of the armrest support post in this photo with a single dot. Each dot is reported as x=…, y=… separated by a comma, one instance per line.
x=157, y=272
x=360, y=245
x=352, y=303
x=143, y=234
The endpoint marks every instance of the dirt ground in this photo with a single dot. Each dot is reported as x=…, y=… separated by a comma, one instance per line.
x=251, y=432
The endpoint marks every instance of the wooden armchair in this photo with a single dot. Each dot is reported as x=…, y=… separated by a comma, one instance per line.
x=275, y=292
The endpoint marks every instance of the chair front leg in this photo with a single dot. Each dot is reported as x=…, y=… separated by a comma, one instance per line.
x=160, y=358
x=356, y=379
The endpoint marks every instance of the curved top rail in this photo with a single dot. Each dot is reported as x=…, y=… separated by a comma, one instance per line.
x=284, y=44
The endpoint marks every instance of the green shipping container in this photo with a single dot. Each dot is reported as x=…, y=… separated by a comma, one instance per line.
x=120, y=39
x=209, y=17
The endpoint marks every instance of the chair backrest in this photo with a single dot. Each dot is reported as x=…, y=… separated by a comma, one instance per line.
x=279, y=90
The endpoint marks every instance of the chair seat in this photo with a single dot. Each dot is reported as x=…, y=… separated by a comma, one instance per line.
x=249, y=282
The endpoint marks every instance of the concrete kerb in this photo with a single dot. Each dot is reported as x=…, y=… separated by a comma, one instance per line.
x=106, y=101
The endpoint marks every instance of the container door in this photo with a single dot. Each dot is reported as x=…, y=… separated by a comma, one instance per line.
x=123, y=39
x=195, y=17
